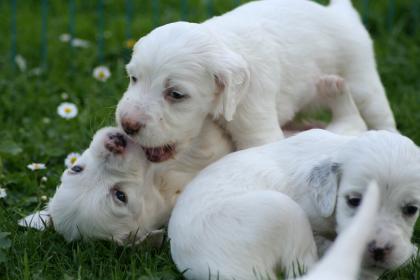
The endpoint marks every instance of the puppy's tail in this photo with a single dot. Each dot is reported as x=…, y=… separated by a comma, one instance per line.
x=343, y=260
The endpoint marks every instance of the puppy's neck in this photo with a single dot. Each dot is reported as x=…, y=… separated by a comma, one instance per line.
x=210, y=145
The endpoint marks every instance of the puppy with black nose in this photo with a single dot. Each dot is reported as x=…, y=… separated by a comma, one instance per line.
x=229, y=220
x=106, y=193
x=113, y=192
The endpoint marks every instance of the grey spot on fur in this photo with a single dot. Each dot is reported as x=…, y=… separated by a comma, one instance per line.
x=321, y=174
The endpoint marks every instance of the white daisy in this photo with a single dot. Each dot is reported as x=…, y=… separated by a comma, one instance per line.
x=67, y=110
x=65, y=37
x=20, y=62
x=71, y=159
x=79, y=43
x=3, y=193
x=36, y=166
x=101, y=73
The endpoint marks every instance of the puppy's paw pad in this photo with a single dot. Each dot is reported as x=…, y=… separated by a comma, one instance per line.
x=330, y=86
x=115, y=143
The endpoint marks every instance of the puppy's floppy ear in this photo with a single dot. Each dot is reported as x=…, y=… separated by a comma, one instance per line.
x=323, y=184
x=231, y=75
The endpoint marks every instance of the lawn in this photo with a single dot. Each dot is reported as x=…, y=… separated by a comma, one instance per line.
x=32, y=131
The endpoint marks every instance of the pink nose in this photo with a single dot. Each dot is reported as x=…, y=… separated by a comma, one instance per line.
x=130, y=126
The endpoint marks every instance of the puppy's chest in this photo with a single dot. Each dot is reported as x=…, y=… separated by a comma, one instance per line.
x=172, y=185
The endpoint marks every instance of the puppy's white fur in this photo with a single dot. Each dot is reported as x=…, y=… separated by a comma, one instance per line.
x=250, y=69
x=85, y=206
x=227, y=218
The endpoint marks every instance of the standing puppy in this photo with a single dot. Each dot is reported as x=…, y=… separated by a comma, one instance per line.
x=250, y=69
x=228, y=220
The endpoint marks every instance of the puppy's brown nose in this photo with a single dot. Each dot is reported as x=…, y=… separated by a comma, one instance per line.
x=379, y=253
x=131, y=127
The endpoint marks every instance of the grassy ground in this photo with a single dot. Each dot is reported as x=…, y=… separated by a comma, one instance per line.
x=31, y=130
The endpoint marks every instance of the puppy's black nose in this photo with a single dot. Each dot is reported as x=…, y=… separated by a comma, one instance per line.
x=131, y=127
x=379, y=253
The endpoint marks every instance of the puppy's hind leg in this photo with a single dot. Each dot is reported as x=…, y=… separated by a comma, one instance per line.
x=346, y=119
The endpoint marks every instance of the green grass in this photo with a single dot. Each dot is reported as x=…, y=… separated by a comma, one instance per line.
x=26, y=100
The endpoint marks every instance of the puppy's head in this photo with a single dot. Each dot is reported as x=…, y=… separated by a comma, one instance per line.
x=179, y=74
x=105, y=194
x=393, y=161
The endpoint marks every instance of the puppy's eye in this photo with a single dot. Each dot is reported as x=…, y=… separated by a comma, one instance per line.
x=175, y=96
x=120, y=195
x=76, y=169
x=133, y=79
x=409, y=210
x=353, y=200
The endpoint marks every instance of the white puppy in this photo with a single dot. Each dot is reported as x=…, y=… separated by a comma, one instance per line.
x=250, y=69
x=114, y=193
x=227, y=221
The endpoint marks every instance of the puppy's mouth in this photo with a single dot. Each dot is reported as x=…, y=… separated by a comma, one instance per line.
x=160, y=154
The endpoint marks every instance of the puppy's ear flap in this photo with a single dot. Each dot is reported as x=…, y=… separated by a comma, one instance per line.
x=323, y=184
x=232, y=76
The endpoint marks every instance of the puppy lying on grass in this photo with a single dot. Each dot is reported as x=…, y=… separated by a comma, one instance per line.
x=114, y=193
x=228, y=220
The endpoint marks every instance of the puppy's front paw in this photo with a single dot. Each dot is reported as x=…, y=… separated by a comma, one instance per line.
x=330, y=86
x=116, y=143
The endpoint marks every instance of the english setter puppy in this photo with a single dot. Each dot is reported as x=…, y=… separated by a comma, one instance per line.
x=251, y=70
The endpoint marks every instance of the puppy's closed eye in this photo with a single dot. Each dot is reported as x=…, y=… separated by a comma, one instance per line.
x=172, y=95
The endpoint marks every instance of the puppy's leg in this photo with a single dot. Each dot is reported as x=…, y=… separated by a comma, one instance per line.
x=345, y=117
x=369, y=95
x=245, y=237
